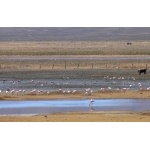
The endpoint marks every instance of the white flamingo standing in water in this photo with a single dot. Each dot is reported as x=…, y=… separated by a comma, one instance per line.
x=91, y=101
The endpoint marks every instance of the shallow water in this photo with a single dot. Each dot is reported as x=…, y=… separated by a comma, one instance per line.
x=39, y=107
x=72, y=84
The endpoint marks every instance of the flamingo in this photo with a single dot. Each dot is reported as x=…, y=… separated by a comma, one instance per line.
x=148, y=88
x=32, y=81
x=74, y=91
x=60, y=90
x=91, y=101
x=88, y=91
x=12, y=91
x=68, y=91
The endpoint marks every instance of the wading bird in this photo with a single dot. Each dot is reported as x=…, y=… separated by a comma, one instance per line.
x=91, y=101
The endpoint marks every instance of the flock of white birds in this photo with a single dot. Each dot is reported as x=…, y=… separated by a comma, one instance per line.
x=87, y=91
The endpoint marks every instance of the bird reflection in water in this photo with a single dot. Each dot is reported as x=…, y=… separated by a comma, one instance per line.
x=92, y=108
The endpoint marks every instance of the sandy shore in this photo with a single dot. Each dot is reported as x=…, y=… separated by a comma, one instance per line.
x=82, y=117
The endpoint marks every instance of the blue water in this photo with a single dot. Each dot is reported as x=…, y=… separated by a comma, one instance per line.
x=33, y=107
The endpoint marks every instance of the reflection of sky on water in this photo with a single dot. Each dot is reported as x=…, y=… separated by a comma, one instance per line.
x=56, y=106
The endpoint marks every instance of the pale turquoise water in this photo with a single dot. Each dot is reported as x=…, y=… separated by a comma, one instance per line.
x=31, y=107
